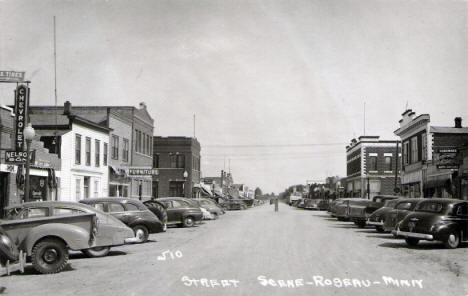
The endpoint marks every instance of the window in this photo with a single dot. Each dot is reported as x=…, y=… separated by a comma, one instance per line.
x=115, y=207
x=178, y=204
x=388, y=163
x=97, y=152
x=86, y=187
x=404, y=206
x=99, y=206
x=66, y=211
x=424, y=146
x=77, y=149
x=115, y=147
x=88, y=151
x=372, y=163
x=406, y=158
x=148, y=143
x=35, y=213
x=414, y=149
x=181, y=161
x=156, y=161
x=125, y=150
x=96, y=188
x=173, y=159
x=462, y=210
x=131, y=207
x=176, y=188
x=104, y=157
x=78, y=189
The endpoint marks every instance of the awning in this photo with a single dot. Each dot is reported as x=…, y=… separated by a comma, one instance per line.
x=437, y=181
x=203, y=189
x=117, y=171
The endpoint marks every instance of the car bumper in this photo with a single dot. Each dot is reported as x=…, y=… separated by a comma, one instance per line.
x=413, y=235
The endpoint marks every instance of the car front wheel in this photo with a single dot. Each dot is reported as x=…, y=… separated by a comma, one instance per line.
x=188, y=222
x=49, y=256
x=453, y=240
x=411, y=241
x=141, y=232
x=97, y=252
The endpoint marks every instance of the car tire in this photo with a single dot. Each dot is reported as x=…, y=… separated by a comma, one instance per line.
x=96, y=252
x=411, y=241
x=49, y=256
x=453, y=240
x=188, y=221
x=141, y=232
x=379, y=229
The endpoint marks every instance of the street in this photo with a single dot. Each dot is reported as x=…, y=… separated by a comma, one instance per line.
x=259, y=252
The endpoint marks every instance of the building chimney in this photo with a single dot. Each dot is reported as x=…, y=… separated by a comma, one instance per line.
x=458, y=122
x=142, y=105
x=67, y=108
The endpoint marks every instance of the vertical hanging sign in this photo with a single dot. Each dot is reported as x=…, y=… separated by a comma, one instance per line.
x=21, y=109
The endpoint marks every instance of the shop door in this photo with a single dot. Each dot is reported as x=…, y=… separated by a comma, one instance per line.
x=3, y=192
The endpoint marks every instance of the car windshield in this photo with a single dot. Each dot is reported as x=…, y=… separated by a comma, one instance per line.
x=430, y=207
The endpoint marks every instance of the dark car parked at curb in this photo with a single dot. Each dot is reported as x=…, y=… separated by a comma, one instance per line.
x=159, y=209
x=359, y=213
x=342, y=209
x=399, y=212
x=444, y=220
x=377, y=218
x=180, y=211
x=131, y=212
x=111, y=232
x=235, y=204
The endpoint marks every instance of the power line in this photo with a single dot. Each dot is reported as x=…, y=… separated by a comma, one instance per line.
x=270, y=145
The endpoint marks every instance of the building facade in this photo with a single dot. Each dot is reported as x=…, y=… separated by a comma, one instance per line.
x=371, y=167
x=177, y=161
x=428, y=151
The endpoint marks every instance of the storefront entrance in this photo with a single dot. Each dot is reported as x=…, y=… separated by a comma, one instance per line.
x=3, y=192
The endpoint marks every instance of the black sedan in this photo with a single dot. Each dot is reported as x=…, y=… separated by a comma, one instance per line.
x=130, y=211
x=180, y=211
x=443, y=220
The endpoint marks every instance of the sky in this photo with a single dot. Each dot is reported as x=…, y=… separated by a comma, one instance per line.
x=278, y=88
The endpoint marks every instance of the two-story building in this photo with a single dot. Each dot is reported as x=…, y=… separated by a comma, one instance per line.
x=81, y=145
x=372, y=167
x=427, y=153
x=177, y=160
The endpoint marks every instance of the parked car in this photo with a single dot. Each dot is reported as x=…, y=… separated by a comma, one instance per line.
x=181, y=212
x=46, y=240
x=444, y=220
x=311, y=204
x=359, y=213
x=399, y=212
x=301, y=203
x=131, y=212
x=342, y=208
x=377, y=218
x=111, y=232
x=159, y=209
x=11, y=259
x=332, y=206
x=323, y=205
x=235, y=204
x=211, y=206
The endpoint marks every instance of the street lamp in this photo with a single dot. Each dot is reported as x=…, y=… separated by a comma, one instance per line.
x=185, y=180
x=29, y=134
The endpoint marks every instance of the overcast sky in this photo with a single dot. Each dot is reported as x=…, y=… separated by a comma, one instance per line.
x=292, y=74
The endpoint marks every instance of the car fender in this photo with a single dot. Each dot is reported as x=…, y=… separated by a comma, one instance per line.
x=76, y=238
x=441, y=231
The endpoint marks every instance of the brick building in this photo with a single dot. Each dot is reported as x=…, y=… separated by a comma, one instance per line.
x=428, y=169
x=371, y=167
x=177, y=160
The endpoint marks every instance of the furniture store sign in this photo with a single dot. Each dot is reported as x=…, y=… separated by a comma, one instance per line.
x=133, y=172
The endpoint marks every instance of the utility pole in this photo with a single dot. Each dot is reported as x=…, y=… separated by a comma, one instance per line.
x=397, y=156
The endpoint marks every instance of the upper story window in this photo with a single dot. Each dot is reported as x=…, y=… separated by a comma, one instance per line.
x=388, y=163
x=156, y=161
x=125, y=150
x=372, y=163
x=97, y=153
x=414, y=149
x=115, y=147
x=77, y=149
x=88, y=151
x=104, y=157
x=137, y=141
x=177, y=160
x=424, y=146
x=406, y=156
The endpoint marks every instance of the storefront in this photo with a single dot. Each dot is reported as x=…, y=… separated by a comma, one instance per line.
x=119, y=182
x=141, y=181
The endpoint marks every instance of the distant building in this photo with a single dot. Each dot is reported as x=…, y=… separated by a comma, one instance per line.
x=429, y=156
x=177, y=161
x=371, y=167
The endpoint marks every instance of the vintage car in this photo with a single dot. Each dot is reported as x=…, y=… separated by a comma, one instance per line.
x=11, y=259
x=323, y=205
x=159, y=210
x=235, y=204
x=111, y=232
x=210, y=206
x=131, y=212
x=444, y=220
x=311, y=204
x=301, y=203
x=46, y=240
x=181, y=212
x=399, y=212
x=332, y=206
x=360, y=212
x=342, y=209
x=377, y=218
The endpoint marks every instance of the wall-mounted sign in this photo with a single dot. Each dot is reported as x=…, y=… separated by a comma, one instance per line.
x=21, y=109
x=11, y=76
x=15, y=156
x=446, y=158
x=143, y=172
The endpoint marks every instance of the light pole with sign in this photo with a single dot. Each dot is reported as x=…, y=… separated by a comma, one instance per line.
x=29, y=134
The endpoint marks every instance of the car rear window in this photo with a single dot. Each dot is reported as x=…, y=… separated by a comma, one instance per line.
x=431, y=207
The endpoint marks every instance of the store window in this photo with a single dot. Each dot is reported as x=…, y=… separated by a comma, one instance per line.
x=176, y=188
x=78, y=189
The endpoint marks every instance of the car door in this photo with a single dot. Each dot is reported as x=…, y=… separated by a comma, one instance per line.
x=171, y=211
x=118, y=211
x=178, y=207
x=462, y=217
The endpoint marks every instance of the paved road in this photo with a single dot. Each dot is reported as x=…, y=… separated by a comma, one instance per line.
x=260, y=252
